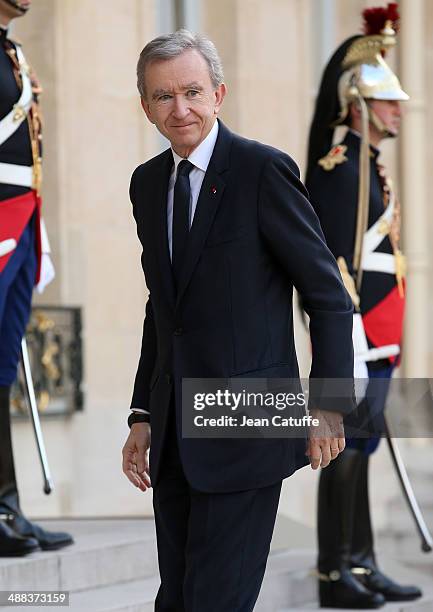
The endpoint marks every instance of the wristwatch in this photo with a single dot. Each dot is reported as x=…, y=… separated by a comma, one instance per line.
x=138, y=417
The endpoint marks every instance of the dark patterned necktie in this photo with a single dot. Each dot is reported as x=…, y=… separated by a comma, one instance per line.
x=181, y=201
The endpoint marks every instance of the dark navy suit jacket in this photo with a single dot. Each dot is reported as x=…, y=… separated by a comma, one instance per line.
x=254, y=237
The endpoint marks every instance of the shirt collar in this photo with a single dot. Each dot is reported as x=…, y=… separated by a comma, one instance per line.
x=374, y=150
x=201, y=155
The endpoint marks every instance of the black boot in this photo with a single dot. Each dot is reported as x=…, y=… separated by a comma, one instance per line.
x=12, y=544
x=363, y=559
x=338, y=587
x=47, y=540
x=9, y=499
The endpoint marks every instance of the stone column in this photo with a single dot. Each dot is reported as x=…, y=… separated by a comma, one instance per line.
x=413, y=155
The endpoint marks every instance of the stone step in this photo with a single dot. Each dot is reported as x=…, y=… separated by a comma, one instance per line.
x=288, y=580
x=401, y=571
x=422, y=605
x=136, y=596
x=113, y=568
x=402, y=543
x=400, y=518
x=139, y=597
x=106, y=552
x=282, y=585
x=400, y=521
x=399, y=536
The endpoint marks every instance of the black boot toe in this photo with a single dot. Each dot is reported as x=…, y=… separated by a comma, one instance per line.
x=377, y=582
x=47, y=540
x=343, y=590
x=12, y=544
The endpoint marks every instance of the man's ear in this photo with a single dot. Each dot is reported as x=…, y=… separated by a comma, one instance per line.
x=355, y=110
x=146, y=107
x=220, y=93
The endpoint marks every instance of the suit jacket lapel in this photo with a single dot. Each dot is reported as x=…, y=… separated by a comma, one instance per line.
x=161, y=192
x=209, y=199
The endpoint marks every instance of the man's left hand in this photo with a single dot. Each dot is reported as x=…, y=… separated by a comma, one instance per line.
x=326, y=441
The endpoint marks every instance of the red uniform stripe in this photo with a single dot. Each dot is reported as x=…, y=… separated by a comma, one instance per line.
x=15, y=213
x=383, y=324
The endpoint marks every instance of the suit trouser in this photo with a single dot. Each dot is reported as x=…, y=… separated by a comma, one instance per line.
x=212, y=547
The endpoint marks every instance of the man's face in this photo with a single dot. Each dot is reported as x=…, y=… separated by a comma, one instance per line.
x=14, y=8
x=389, y=112
x=181, y=100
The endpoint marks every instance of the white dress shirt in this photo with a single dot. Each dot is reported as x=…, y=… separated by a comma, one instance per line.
x=200, y=159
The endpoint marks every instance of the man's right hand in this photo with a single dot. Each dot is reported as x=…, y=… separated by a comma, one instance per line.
x=135, y=453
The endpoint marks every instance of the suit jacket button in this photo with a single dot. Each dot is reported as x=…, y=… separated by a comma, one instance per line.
x=178, y=331
x=168, y=378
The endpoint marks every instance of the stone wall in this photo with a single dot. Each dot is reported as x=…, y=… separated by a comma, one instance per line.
x=95, y=134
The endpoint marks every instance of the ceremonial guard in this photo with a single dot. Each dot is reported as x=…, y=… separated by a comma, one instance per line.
x=22, y=248
x=360, y=216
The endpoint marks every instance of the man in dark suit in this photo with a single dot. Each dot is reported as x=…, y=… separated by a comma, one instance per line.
x=227, y=231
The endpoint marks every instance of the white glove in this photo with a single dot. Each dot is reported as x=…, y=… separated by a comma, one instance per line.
x=363, y=354
x=47, y=273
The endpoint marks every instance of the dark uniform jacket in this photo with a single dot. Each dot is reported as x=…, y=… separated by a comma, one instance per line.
x=19, y=204
x=334, y=195
x=16, y=149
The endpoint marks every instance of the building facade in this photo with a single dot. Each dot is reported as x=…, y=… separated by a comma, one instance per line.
x=85, y=53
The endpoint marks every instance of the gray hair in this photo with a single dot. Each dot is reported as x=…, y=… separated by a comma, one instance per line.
x=171, y=45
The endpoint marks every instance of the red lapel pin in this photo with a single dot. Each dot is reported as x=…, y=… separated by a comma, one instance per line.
x=214, y=189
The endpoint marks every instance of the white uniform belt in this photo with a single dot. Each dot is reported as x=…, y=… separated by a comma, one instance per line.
x=378, y=262
x=6, y=246
x=374, y=236
x=14, y=174
x=361, y=350
x=12, y=121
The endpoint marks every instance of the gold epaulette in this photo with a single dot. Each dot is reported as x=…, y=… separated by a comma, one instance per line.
x=335, y=156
